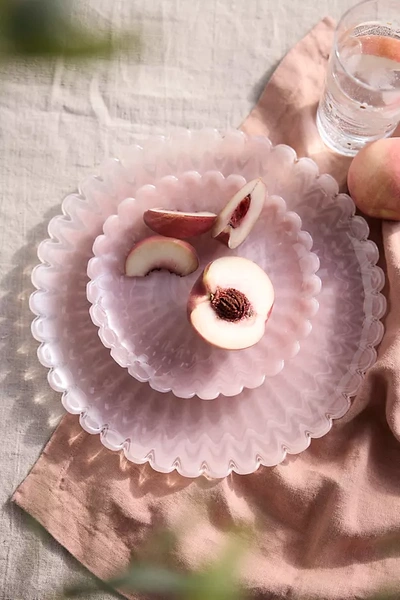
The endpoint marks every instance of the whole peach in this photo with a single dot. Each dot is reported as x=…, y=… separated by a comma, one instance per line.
x=374, y=179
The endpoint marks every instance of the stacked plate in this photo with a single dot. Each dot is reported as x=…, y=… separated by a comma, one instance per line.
x=122, y=351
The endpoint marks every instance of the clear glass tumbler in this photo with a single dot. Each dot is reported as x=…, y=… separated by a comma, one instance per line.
x=361, y=101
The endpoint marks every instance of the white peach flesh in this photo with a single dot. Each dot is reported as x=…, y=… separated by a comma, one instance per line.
x=238, y=217
x=158, y=252
x=217, y=323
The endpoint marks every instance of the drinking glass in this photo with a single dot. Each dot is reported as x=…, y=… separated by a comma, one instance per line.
x=361, y=101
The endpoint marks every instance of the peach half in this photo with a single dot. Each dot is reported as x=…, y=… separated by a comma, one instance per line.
x=230, y=303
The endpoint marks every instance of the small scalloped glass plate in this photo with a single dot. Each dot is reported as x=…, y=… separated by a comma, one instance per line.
x=144, y=320
x=257, y=427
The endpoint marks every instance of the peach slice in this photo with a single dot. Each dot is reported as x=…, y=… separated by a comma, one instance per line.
x=237, y=219
x=158, y=252
x=230, y=303
x=178, y=224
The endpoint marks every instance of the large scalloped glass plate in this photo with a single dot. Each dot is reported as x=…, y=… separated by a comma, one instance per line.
x=143, y=320
x=229, y=434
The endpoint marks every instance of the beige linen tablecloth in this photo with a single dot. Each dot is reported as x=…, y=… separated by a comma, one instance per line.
x=205, y=62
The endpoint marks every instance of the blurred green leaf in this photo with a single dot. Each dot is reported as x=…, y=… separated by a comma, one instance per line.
x=217, y=581
x=42, y=28
x=220, y=581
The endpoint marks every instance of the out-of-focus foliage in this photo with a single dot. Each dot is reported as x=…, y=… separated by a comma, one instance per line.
x=47, y=28
x=152, y=573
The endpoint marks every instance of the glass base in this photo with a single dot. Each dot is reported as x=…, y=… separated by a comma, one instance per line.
x=338, y=143
x=342, y=144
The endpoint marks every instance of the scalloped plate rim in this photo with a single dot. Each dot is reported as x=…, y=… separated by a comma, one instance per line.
x=257, y=461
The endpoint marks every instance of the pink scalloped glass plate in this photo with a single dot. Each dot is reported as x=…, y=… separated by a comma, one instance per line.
x=144, y=320
x=229, y=434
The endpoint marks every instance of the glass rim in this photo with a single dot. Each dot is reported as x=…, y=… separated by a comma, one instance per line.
x=337, y=52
